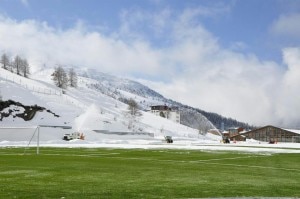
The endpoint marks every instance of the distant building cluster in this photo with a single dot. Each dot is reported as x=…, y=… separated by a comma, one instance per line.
x=167, y=112
x=268, y=133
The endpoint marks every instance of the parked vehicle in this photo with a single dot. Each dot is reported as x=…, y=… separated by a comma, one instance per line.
x=169, y=139
x=73, y=136
x=226, y=140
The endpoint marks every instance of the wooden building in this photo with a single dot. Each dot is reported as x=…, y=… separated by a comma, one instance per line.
x=270, y=134
x=169, y=113
x=234, y=134
x=235, y=131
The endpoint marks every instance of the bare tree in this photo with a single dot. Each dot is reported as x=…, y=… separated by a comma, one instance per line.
x=17, y=63
x=72, y=78
x=133, y=115
x=133, y=107
x=25, y=67
x=5, y=61
x=60, y=77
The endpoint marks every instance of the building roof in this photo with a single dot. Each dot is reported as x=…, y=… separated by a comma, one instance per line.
x=293, y=130
x=290, y=130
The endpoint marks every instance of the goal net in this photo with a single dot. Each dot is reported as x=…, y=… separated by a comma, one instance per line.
x=28, y=139
x=19, y=137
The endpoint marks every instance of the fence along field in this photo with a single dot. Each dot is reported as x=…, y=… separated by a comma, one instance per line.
x=42, y=89
x=123, y=173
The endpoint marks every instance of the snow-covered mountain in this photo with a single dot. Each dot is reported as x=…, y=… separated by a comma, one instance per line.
x=96, y=104
x=120, y=88
x=123, y=89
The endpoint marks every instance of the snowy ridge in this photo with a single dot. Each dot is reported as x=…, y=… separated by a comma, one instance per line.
x=123, y=89
x=120, y=88
x=130, y=86
x=85, y=108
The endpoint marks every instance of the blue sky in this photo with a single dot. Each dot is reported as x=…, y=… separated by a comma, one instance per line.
x=239, y=58
x=247, y=23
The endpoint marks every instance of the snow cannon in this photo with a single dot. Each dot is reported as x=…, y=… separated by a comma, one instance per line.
x=73, y=136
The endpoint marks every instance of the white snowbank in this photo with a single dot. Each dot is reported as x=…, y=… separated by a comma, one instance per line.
x=134, y=142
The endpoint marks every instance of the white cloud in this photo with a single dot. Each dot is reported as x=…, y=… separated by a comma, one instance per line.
x=44, y=44
x=193, y=69
x=289, y=102
x=287, y=25
x=230, y=84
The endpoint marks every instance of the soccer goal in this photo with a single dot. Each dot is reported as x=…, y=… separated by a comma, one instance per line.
x=296, y=139
x=22, y=137
x=29, y=137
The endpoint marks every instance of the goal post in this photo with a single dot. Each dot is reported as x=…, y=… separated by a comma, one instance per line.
x=28, y=136
x=19, y=137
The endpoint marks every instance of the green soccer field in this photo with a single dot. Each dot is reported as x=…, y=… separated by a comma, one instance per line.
x=135, y=173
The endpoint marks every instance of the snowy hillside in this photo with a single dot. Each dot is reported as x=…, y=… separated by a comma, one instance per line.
x=120, y=88
x=94, y=105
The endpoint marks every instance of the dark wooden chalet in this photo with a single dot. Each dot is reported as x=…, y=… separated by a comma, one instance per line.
x=270, y=134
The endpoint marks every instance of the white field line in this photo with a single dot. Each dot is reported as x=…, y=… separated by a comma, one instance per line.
x=25, y=167
x=252, y=166
x=189, y=161
x=184, y=161
x=216, y=159
x=81, y=155
x=59, y=154
x=251, y=146
x=176, y=161
x=213, y=163
x=147, y=159
x=69, y=150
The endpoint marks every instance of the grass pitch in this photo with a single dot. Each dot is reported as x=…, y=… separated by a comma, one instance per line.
x=134, y=173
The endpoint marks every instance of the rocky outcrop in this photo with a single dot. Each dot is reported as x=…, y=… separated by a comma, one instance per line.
x=14, y=109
